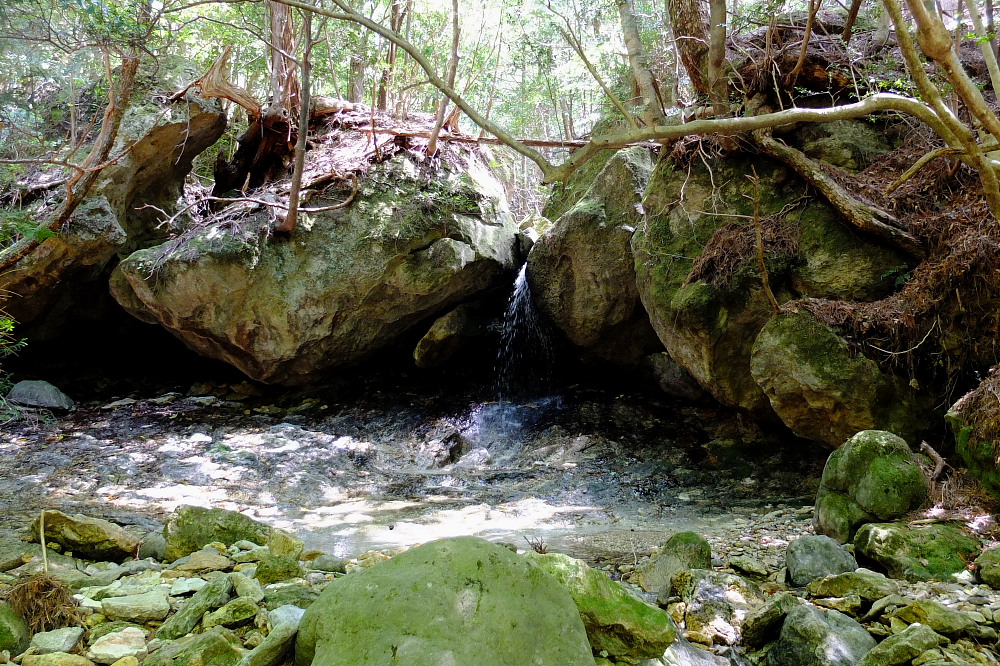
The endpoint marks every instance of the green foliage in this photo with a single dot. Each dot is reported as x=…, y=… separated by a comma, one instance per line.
x=18, y=225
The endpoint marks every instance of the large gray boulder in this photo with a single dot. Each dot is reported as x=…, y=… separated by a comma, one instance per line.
x=873, y=477
x=816, y=556
x=814, y=637
x=452, y=601
x=716, y=603
x=581, y=271
x=41, y=394
x=411, y=245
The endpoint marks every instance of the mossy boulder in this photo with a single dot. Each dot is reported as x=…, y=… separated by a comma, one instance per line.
x=873, y=477
x=274, y=568
x=88, y=538
x=14, y=634
x=616, y=622
x=190, y=528
x=930, y=552
x=822, y=390
x=697, y=270
x=848, y=144
x=581, y=271
x=684, y=550
x=988, y=567
x=973, y=420
x=460, y=601
x=415, y=242
x=216, y=647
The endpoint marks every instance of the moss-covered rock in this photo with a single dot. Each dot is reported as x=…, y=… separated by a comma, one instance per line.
x=988, y=567
x=716, y=603
x=872, y=477
x=931, y=552
x=616, y=622
x=581, y=271
x=190, y=528
x=89, y=538
x=274, y=568
x=459, y=601
x=14, y=634
x=414, y=243
x=215, y=647
x=707, y=310
x=849, y=144
x=814, y=637
x=684, y=550
x=973, y=426
x=822, y=390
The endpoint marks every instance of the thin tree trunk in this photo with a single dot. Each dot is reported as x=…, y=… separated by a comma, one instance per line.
x=652, y=108
x=793, y=75
x=452, y=69
x=292, y=215
x=395, y=24
x=715, y=71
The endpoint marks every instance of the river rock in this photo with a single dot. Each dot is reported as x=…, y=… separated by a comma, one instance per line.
x=294, y=594
x=283, y=543
x=763, y=624
x=56, y=659
x=58, y=640
x=937, y=616
x=821, y=389
x=109, y=648
x=988, y=567
x=203, y=561
x=216, y=647
x=215, y=594
x=138, y=608
x=814, y=637
x=616, y=622
x=705, y=299
x=236, y=613
x=415, y=241
x=35, y=393
x=873, y=477
x=815, y=556
x=274, y=568
x=581, y=271
x=716, y=604
x=247, y=587
x=183, y=586
x=903, y=647
x=192, y=527
x=466, y=590
x=869, y=585
x=273, y=649
x=684, y=550
x=929, y=552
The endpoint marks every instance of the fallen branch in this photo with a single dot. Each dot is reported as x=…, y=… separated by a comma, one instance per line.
x=939, y=463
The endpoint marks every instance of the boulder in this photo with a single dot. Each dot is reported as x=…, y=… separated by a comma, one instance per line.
x=192, y=527
x=849, y=144
x=410, y=246
x=203, y=561
x=582, y=272
x=274, y=568
x=972, y=420
x=697, y=271
x=763, y=624
x=872, y=477
x=616, y=622
x=868, y=585
x=814, y=637
x=451, y=333
x=684, y=550
x=716, y=604
x=43, y=395
x=479, y=603
x=903, y=647
x=815, y=556
x=215, y=647
x=929, y=552
x=988, y=567
x=109, y=648
x=937, y=616
x=89, y=538
x=58, y=640
x=824, y=391
x=137, y=608
x=236, y=613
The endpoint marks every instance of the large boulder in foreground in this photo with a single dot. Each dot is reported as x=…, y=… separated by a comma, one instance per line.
x=581, y=271
x=814, y=637
x=453, y=601
x=873, y=477
x=414, y=242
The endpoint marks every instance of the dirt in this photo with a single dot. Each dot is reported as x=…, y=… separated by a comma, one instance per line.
x=591, y=471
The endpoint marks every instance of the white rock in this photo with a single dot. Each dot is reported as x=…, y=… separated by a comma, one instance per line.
x=60, y=640
x=129, y=642
x=184, y=586
x=287, y=614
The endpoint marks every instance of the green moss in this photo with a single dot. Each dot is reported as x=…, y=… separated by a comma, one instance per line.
x=565, y=196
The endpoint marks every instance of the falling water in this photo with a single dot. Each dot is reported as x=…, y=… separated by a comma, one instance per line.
x=523, y=376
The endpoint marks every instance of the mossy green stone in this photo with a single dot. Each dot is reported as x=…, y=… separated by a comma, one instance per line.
x=14, y=634
x=276, y=568
x=293, y=594
x=236, y=613
x=615, y=620
x=453, y=601
x=192, y=527
x=215, y=647
x=988, y=567
x=931, y=552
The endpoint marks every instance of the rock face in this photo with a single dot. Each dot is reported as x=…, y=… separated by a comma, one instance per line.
x=478, y=603
x=820, y=389
x=582, y=272
x=930, y=552
x=87, y=537
x=698, y=277
x=872, y=477
x=411, y=245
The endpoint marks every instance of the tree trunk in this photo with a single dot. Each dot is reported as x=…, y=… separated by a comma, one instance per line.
x=284, y=70
x=689, y=21
x=396, y=25
x=356, y=79
x=652, y=108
